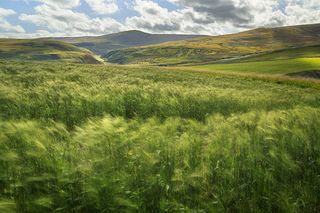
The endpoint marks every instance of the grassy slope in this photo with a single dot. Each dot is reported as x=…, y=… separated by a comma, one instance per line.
x=285, y=66
x=39, y=50
x=299, y=52
x=94, y=138
x=211, y=49
x=277, y=62
x=103, y=44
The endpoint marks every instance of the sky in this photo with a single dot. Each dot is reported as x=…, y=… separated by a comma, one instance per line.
x=44, y=18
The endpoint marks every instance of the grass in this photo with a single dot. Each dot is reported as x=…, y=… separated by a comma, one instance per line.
x=213, y=49
x=96, y=138
x=103, y=44
x=281, y=66
x=292, y=53
x=44, y=50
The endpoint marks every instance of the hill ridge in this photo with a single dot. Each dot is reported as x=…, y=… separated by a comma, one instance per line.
x=104, y=43
x=213, y=48
x=44, y=50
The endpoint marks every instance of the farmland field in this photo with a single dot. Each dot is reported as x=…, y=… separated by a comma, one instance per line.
x=110, y=138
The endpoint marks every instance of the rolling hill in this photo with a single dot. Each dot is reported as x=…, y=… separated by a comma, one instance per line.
x=300, y=61
x=44, y=50
x=295, y=52
x=215, y=49
x=103, y=44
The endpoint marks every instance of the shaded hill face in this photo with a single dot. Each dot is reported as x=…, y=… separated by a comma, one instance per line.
x=307, y=74
x=44, y=50
x=103, y=44
x=217, y=48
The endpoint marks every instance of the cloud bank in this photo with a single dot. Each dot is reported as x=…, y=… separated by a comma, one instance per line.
x=5, y=25
x=96, y=17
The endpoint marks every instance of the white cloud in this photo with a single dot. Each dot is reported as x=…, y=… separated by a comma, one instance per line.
x=36, y=34
x=5, y=25
x=61, y=3
x=154, y=18
x=191, y=17
x=302, y=12
x=6, y=12
x=69, y=22
x=222, y=16
x=103, y=6
x=254, y=13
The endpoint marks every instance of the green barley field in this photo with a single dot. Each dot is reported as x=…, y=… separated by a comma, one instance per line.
x=107, y=138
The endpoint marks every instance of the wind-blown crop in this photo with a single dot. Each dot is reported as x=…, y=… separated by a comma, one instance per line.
x=75, y=138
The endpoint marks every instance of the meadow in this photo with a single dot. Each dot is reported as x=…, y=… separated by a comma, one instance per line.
x=44, y=50
x=109, y=138
x=280, y=66
x=280, y=62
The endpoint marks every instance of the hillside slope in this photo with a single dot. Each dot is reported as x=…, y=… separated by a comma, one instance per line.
x=103, y=44
x=44, y=50
x=216, y=48
x=282, y=54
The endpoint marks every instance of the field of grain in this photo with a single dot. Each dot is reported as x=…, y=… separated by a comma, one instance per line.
x=100, y=138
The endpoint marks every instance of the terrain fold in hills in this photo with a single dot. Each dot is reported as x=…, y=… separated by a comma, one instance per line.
x=44, y=50
x=213, y=49
x=103, y=44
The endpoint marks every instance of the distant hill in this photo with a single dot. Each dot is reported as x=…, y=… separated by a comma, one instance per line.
x=219, y=48
x=282, y=54
x=103, y=44
x=44, y=50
